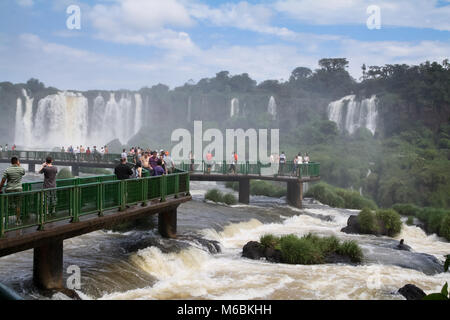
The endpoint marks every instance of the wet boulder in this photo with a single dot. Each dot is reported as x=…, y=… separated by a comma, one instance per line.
x=352, y=225
x=412, y=292
x=253, y=250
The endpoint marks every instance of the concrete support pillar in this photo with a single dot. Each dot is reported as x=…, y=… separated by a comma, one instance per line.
x=31, y=167
x=295, y=194
x=244, y=191
x=48, y=266
x=75, y=171
x=167, y=223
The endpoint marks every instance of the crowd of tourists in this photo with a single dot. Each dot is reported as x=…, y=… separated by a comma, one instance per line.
x=157, y=163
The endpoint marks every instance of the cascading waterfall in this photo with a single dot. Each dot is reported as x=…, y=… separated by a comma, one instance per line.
x=138, y=116
x=234, y=107
x=62, y=119
x=350, y=114
x=272, y=108
x=24, y=120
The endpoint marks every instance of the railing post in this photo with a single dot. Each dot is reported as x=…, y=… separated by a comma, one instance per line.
x=100, y=199
x=42, y=211
x=177, y=185
x=145, y=183
x=163, y=187
x=188, y=177
x=122, y=191
x=2, y=216
x=74, y=203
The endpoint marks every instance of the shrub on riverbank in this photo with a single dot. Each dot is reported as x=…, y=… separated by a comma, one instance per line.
x=339, y=198
x=436, y=220
x=217, y=196
x=311, y=249
x=390, y=222
x=261, y=188
x=64, y=173
x=379, y=222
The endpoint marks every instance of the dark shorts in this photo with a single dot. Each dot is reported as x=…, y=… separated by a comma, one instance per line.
x=14, y=201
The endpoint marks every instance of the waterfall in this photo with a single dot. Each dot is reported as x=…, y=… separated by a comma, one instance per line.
x=234, y=107
x=138, y=115
x=272, y=108
x=350, y=114
x=62, y=119
x=24, y=120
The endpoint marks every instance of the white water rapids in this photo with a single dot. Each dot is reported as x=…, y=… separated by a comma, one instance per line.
x=192, y=272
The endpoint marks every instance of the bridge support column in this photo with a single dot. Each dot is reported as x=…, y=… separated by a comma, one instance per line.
x=167, y=223
x=244, y=191
x=48, y=266
x=31, y=167
x=75, y=171
x=295, y=194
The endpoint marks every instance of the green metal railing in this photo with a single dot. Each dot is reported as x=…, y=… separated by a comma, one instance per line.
x=74, y=198
x=61, y=156
x=302, y=170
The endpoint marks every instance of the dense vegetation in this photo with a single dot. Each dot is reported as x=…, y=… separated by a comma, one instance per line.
x=380, y=222
x=435, y=220
x=311, y=249
x=338, y=197
x=217, y=196
x=261, y=188
x=64, y=173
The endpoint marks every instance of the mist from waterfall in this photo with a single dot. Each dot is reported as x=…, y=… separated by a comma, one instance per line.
x=63, y=119
x=272, y=108
x=234, y=107
x=350, y=114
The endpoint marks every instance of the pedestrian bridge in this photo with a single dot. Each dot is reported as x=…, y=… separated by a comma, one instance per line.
x=87, y=204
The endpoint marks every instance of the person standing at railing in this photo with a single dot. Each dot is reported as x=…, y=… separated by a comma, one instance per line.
x=209, y=157
x=124, y=154
x=192, y=160
x=153, y=160
x=123, y=171
x=6, y=147
x=158, y=169
x=13, y=147
x=13, y=177
x=234, y=158
x=137, y=168
x=282, y=163
x=50, y=173
x=170, y=165
x=306, y=158
x=294, y=169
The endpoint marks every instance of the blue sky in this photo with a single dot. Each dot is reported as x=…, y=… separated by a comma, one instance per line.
x=130, y=44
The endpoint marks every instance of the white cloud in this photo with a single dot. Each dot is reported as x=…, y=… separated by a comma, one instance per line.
x=400, y=13
x=143, y=22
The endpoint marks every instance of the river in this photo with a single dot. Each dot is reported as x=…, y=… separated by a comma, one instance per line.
x=139, y=264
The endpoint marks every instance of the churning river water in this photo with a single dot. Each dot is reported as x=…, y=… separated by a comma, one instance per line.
x=139, y=264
